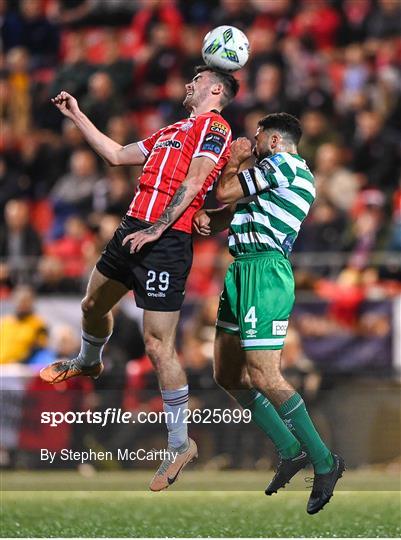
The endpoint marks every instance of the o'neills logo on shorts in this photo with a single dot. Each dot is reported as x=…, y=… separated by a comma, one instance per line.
x=168, y=144
x=279, y=328
x=157, y=294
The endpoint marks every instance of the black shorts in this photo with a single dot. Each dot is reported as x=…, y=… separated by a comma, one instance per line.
x=157, y=273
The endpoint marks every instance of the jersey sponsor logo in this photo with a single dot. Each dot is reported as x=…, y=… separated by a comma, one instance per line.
x=218, y=127
x=288, y=243
x=213, y=143
x=168, y=144
x=279, y=328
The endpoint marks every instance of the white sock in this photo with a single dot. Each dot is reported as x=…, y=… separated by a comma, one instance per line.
x=176, y=403
x=91, y=349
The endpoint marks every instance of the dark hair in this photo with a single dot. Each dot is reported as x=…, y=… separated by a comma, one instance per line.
x=285, y=123
x=230, y=83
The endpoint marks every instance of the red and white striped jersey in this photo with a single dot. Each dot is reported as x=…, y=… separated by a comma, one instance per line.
x=169, y=152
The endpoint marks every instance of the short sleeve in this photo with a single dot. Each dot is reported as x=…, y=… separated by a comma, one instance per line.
x=146, y=145
x=212, y=136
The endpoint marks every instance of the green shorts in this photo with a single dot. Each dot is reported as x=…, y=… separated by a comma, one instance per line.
x=257, y=300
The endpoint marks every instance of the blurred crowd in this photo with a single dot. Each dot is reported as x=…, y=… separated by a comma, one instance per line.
x=335, y=64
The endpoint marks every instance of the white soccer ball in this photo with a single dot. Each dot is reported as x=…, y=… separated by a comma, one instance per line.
x=225, y=48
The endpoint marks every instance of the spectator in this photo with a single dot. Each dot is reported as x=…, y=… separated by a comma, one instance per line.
x=316, y=94
x=375, y=154
x=103, y=226
x=269, y=91
x=323, y=230
x=171, y=106
x=234, y=13
x=385, y=20
x=318, y=21
x=73, y=192
x=367, y=232
x=395, y=242
x=120, y=70
x=277, y=13
x=298, y=368
x=102, y=101
x=316, y=131
x=127, y=339
x=20, y=245
x=72, y=141
x=23, y=332
x=71, y=12
x=355, y=15
x=162, y=59
x=31, y=30
x=17, y=61
x=156, y=11
x=192, y=37
x=121, y=130
x=72, y=76
x=333, y=181
x=263, y=44
x=113, y=194
x=13, y=185
x=71, y=247
x=63, y=343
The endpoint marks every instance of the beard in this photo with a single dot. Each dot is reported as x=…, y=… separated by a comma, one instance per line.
x=187, y=103
x=190, y=102
x=260, y=156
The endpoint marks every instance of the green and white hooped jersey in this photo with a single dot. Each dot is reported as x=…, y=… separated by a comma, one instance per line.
x=279, y=191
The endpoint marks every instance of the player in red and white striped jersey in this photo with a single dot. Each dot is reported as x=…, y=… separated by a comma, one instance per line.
x=169, y=153
x=151, y=251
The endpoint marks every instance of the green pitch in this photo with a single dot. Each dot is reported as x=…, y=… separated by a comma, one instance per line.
x=192, y=513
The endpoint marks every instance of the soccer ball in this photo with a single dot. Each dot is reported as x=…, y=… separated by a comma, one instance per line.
x=225, y=48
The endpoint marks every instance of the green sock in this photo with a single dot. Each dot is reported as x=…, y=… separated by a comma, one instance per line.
x=295, y=415
x=268, y=420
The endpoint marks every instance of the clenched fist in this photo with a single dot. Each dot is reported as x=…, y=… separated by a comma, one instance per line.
x=67, y=104
x=241, y=149
x=201, y=223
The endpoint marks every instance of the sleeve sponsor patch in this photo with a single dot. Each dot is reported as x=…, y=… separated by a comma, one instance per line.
x=213, y=143
x=218, y=127
x=266, y=166
x=277, y=159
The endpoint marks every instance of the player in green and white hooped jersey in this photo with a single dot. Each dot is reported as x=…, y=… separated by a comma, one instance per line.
x=266, y=206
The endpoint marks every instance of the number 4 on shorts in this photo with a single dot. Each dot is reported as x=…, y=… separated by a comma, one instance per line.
x=250, y=317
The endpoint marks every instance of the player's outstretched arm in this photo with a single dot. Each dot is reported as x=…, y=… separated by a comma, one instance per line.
x=109, y=150
x=212, y=221
x=199, y=170
x=229, y=188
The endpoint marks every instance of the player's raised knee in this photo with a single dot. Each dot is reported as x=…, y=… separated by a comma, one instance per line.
x=88, y=305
